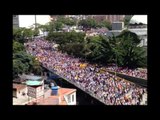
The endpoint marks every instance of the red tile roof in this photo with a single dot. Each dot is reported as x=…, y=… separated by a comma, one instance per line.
x=54, y=100
x=18, y=86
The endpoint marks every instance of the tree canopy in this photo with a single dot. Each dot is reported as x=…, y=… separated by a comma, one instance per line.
x=122, y=50
x=23, y=62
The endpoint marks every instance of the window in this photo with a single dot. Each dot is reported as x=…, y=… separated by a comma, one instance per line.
x=73, y=98
x=69, y=99
x=23, y=93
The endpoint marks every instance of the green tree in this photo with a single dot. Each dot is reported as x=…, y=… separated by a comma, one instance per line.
x=17, y=47
x=58, y=25
x=88, y=23
x=25, y=63
x=127, y=19
x=133, y=55
x=27, y=33
x=18, y=35
x=18, y=67
x=104, y=52
x=70, y=22
x=66, y=21
x=44, y=28
x=22, y=34
x=35, y=66
x=36, y=32
x=106, y=24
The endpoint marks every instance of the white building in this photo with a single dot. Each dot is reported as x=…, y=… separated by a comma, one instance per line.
x=138, y=25
x=28, y=20
x=19, y=90
x=117, y=28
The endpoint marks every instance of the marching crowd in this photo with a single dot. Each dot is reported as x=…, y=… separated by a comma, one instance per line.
x=93, y=79
x=139, y=73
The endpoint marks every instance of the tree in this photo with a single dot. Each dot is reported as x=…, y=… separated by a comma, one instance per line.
x=17, y=47
x=106, y=24
x=58, y=25
x=44, y=28
x=25, y=63
x=133, y=56
x=88, y=23
x=35, y=66
x=66, y=21
x=18, y=67
x=127, y=19
x=22, y=34
x=27, y=33
x=70, y=22
x=66, y=37
x=18, y=34
x=105, y=51
x=125, y=34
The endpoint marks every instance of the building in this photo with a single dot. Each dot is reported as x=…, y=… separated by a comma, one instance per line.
x=25, y=77
x=117, y=28
x=15, y=21
x=19, y=90
x=110, y=18
x=115, y=18
x=64, y=96
x=138, y=25
x=28, y=21
x=98, y=18
x=35, y=88
x=117, y=25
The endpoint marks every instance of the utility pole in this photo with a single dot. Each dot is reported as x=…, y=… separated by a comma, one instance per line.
x=35, y=22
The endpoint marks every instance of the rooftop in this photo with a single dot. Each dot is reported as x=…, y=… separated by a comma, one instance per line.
x=18, y=86
x=33, y=83
x=30, y=77
x=138, y=19
x=54, y=100
x=139, y=31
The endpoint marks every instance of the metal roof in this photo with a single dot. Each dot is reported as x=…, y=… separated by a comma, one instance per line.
x=31, y=77
x=33, y=83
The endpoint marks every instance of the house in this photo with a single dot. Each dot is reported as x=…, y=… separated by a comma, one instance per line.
x=65, y=96
x=19, y=90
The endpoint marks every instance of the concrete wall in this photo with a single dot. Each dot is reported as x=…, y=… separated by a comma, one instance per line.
x=139, y=81
x=19, y=94
x=71, y=98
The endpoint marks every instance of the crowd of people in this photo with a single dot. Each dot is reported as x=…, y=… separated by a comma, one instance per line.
x=94, y=79
x=139, y=73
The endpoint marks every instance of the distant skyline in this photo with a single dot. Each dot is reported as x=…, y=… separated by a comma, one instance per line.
x=28, y=20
